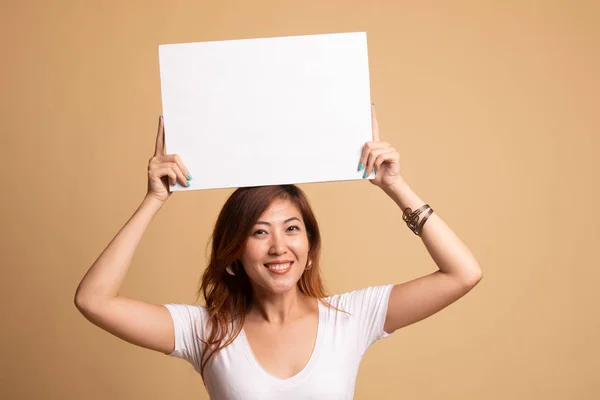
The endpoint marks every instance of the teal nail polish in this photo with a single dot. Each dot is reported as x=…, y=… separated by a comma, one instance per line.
x=189, y=176
x=187, y=183
x=361, y=166
x=374, y=171
x=365, y=174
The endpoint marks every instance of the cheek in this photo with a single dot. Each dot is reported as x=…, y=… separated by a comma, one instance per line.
x=254, y=252
x=300, y=246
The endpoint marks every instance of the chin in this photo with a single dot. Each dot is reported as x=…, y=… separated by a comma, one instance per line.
x=280, y=284
x=284, y=288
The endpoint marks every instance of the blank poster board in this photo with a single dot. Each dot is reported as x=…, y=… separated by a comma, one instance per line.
x=267, y=111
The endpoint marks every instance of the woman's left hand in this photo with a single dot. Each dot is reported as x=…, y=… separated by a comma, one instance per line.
x=381, y=158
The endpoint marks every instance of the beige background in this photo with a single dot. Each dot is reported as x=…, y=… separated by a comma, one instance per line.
x=492, y=105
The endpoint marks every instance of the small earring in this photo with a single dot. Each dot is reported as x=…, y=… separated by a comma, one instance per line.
x=229, y=270
x=309, y=265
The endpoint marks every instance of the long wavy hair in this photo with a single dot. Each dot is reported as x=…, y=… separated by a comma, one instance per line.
x=228, y=298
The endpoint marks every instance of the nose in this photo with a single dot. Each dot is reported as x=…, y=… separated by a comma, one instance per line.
x=278, y=245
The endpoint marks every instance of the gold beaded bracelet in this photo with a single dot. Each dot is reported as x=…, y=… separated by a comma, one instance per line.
x=412, y=218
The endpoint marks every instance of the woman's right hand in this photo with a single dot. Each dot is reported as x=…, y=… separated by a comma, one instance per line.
x=164, y=169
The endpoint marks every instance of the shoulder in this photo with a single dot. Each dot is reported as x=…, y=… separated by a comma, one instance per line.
x=189, y=309
x=359, y=299
x=187, y=314
x=364, y=313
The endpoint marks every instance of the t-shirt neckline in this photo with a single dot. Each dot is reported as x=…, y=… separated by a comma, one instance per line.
x=310, y=365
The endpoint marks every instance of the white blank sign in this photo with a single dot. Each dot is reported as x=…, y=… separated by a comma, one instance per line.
x=269, y=111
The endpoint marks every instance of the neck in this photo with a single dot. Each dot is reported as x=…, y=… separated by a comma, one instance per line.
x=279, y=308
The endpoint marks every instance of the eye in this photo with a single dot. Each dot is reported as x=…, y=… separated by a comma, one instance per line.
x=259, y=232
x=294, y=228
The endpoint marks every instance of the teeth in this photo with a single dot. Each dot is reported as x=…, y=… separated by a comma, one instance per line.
x=278, y=267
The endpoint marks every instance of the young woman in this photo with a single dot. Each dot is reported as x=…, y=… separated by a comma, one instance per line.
x=268, y=330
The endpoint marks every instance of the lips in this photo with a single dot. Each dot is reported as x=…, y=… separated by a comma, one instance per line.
x=279, y=267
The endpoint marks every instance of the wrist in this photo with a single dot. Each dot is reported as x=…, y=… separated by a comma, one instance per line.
x=151, y=203
x=403, y=195
x=397, y=188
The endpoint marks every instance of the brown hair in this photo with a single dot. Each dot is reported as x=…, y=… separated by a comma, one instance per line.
x=228, y=298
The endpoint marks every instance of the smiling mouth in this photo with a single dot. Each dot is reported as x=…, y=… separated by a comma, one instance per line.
x=279, y=268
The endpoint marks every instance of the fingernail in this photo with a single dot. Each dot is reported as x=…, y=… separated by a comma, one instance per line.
x=365, y=174
x=189, y=176
x=159, y=118
x=361, y=166
x=187, y=183
x=373, y=105
x=374, y=171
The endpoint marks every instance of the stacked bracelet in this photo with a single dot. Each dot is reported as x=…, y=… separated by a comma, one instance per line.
x=412, y=218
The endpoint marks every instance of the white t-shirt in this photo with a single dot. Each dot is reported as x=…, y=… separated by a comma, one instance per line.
x=342, y=339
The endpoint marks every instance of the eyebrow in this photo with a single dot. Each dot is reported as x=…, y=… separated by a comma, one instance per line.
x=285, y=222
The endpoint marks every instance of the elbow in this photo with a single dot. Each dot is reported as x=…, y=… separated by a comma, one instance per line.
x=474, y=277
x=83, y=302
x=79, y=298
x=89, y=297
x=89, y=302
x=89, y=307
x=80, y=302
x=469, y=276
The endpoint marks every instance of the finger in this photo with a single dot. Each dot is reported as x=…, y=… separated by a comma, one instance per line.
x=159, y=150
x=176, y=159
x=168, y=172
x=367, y=148
x=388, y=155
x=180, y=176
x=165, y=168
x=371, y=160
x=374, y=124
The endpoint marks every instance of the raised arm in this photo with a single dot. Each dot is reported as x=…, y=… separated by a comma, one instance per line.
x=458, y=270
x=97, y=296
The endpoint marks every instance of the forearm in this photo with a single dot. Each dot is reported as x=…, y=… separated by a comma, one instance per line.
x=448, y=252
x=104, y=278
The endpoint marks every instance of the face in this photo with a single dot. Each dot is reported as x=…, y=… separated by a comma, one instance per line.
x=276, y=251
